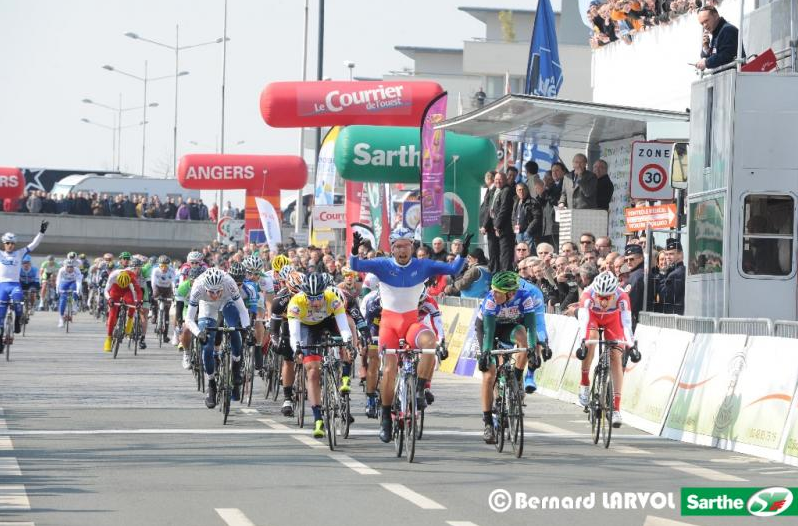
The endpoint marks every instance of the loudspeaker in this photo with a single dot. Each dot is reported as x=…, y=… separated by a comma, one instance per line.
x=452, y=225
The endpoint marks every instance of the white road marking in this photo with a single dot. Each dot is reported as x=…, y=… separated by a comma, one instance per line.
x=9, y=467
x=13, y=497
x=739, y=459
x=548, y=428
x=213, y=431
x=460, y=523
x=580, y=421
x=698, y=471
x=416, y=498
x=6, y=444
x=629, y=450
x=17, y=524
x=248, y=411
x=272, y=423
x=651, y=520
x=234, y=517
x=353, y=464
x=310, y=441
x=778, y=472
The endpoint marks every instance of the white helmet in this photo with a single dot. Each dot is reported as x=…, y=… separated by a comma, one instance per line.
x=253, y=264
x=605, y=284
x=194, y=257
x=213, y=278
x=9, y=237
x=401, y=233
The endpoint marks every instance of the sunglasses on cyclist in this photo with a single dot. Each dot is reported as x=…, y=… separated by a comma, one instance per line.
x=316, y=298
x=605, y=298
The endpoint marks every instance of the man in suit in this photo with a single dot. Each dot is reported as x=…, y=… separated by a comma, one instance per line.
x=486, y=222
x=604, y=186
x=633, y=256
x=502, y=212
x=579, y=186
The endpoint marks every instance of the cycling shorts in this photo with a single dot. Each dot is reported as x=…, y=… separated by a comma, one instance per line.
x=313, y=334
x=612, y=325
x=395, y=326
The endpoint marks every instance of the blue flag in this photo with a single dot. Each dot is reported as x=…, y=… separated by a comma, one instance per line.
x=543, y=70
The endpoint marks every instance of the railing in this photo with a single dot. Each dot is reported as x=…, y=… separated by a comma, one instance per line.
x=456, y=301
x=747, y=326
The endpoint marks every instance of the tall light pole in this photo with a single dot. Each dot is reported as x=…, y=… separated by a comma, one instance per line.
x=299, y=196
x=224, y=81
x=351, y=66
x=114, y=129
x=118, y=110
x=144, y=80
x=177, y=48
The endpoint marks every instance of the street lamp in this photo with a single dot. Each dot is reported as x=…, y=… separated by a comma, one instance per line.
x=351, y=66
x=215, y=144
x=118, y=110
x=177, y=48
x=145, y=79
x=114, y=130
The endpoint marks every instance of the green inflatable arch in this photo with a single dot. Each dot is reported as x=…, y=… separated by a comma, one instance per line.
x=391, y=154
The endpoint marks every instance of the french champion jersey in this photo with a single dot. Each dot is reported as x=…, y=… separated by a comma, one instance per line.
x=401, y=286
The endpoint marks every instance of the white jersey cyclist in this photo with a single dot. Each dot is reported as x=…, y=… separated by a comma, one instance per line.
x=11, y=262
x=66, y=276
x=200, y=301
x=161, y=279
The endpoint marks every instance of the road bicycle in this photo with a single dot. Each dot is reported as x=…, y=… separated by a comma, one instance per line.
x=195, y=352
x=8, y=327
x=162, y=321
x=28, y=308
x=602, y=392
x=404, y=411
x=508, y=402
x=70, y=308
x=223, y=372
x=118, y=333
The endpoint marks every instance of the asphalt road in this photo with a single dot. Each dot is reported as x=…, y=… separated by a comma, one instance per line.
x=85, y=439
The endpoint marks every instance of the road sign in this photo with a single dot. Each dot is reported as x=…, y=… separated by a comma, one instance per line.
x=661, y=216
x=650, y=170
x=230, y=229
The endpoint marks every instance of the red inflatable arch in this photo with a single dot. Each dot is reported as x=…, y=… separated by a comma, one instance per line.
x=329, y=103
x=12, y=183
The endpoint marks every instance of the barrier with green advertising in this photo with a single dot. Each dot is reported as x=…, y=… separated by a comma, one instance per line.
x=392, y=154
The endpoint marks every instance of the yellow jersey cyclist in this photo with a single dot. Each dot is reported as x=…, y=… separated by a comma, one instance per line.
x=311, y=313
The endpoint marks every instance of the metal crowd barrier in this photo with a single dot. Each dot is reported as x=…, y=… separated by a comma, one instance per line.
x=696, y=325
x=456, y=301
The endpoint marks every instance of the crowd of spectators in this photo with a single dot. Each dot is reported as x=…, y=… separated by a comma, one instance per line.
x=119, y=205
x=621, y=19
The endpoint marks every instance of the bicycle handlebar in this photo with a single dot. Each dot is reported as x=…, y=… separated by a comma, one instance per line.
x=227, y=329
x=410, y=351
x=508, y=351
x=611, y=342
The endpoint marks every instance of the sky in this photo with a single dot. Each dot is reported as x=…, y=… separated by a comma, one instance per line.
x=54, y=50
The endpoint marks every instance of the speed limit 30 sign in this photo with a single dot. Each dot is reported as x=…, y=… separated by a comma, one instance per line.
x=650, y=171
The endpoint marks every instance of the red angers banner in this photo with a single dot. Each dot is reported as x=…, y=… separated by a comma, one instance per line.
x=261, y=174
x=328, y=103
x=12, y=183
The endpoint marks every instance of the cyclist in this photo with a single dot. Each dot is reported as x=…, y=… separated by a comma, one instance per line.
x=121, y=287
x=371, y=307
x=251, y=296
x=83, y=266
x=123, y=261
x=184, y=291
x=69, y=281
x=401, y=281
x=47, y=272
x=508, y=314
x=349, y=283
x=193, y=260
x=215, y=292
x=278, y=263
x=98, y=276
x=311, y=313
x=293, y=282
x=604, y=304
x=29, y=279
x=429, y=315
x=357, y=324
x=10, y=264
x=539, y=303
x=258, y=306
x=143, y=270
x=161, y=280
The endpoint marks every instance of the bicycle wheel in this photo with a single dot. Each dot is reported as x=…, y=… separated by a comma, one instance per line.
x=499, y=419
x=398, y=420
x=299, y=394
x=8, y=334
x=249, y=375
x=136, y=333
x=227, y=382
x=411, y=427
x=196, y=364
x=328, y=407
x=68, y=312
x=515, y=417
x=606, y=423
x=345, y=412
x=594, y=410
x=268, y=379
x=119, y=330
x=277, y=375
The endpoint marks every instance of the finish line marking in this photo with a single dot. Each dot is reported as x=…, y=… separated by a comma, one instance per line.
x=416, y=498
x=234, y=517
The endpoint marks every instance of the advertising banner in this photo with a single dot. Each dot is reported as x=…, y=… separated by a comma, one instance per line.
x=433, y=157
x=333, y=103
x=456, y=324
x=259, y=173
x=705, y=404
x=329, y=216
x=562, y=335
x=791, y=434
x=618, y=155
x=571, y=378
x=325, y=172
x=648, y=385
x=764, y=394
x=270, y=222
x=12, y=183
x=367, y=212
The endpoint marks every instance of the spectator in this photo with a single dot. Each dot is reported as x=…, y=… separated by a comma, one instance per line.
x=609, y=262
x=579, y=186
x=719, y=43
x=476, y=279
x=479, y=98
x=502, y=212
x=543, y=200
x=521, y=253
x=10, y=205
x=546, y=255
x=34, y=202
x=568, y=249
x=486, y=221
x=193, y=210
x=203, y=210
x=527, y=215
x=558, y=171
x=97, y=208
x=229, y=211
x=128, y=206
x=438, y=249
x=633, y=256
x=530, y=173
x=183, y=212
x=589, y=257
x=604, y=186
x=587, y=241
x=671, y=289
x=213, y=214
x=117, y=208
x=603, y=246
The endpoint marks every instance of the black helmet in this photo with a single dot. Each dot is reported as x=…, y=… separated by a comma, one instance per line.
x=195, y=272
x=315, y=284
x=237, y=271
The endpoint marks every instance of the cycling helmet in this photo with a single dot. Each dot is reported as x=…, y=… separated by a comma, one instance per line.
x=285, y=272
x=506, y=281
x=315, y=284
x=9, y=237
x=82, y=256
x=295, y=281
x=123, y=280
x=164, y=260
x=124, y=255
x=108, y=255
x=279, y=262
x=151, y=259
x=50, y=258
x=253, y=264
x=26, y=258
x=72, y=255
x=401, y=233
x=136, y=263
x=70, y=263
x=340, y=294
x=214, y=278
x=236, y=271
x=195, y=272
x=194, y=257
x=605, y=284
x=371, y=281
x=346, y=271
x=328, y=279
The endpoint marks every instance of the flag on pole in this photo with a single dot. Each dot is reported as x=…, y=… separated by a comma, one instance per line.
x=433, y=161
x=270, y=222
